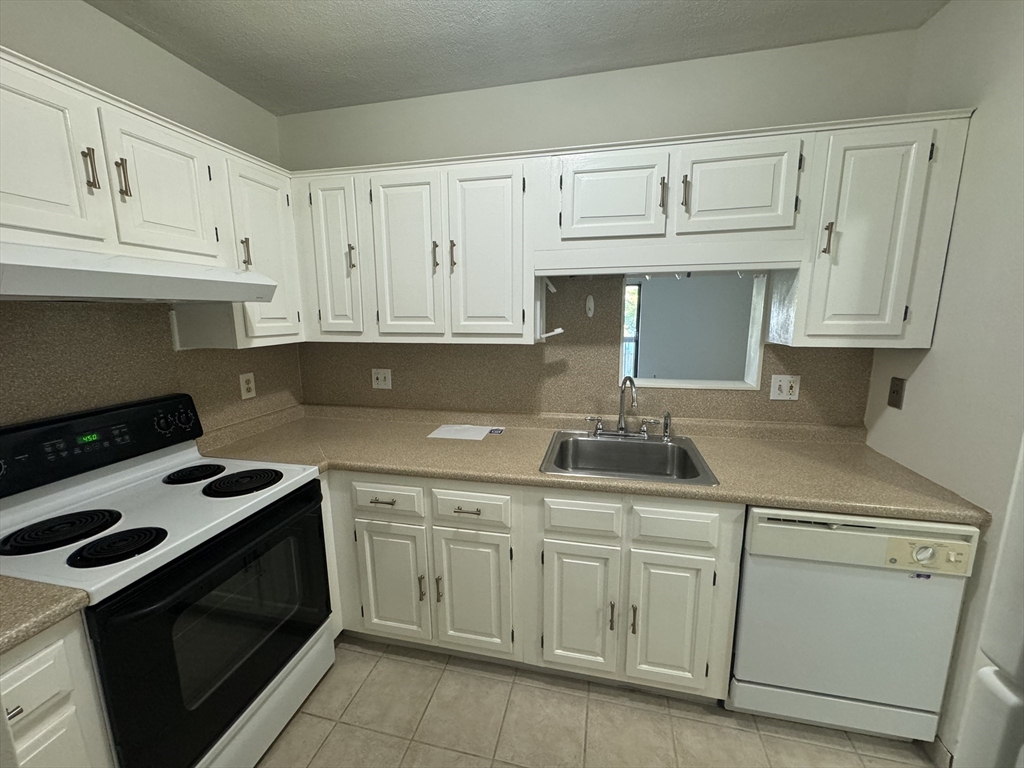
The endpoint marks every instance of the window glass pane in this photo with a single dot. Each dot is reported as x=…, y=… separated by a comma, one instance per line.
x=630, y=329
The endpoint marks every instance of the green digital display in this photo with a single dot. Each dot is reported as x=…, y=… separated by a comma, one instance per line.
x=92, y=437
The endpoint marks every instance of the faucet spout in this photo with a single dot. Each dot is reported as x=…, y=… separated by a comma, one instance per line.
x=626, y=382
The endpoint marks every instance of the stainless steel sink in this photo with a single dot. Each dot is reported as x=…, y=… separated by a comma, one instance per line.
x=580, y=454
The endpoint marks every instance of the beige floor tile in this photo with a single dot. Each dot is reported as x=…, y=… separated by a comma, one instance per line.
x=629, y=697
x=336, y=689
x=907, y=752
x=351, y=747
x=787, y=753
x=709, y=713
x=879, y=762
x=418, y=655
x=703, y=745
x=426, y=756
x=393, y=697
x=486, y=668
x=543, y=728
x=353, y=643
x=825, y=737
x=627, y=737
x=502, y=764
x=298, y=742
x=552, y=682
x=465, y=713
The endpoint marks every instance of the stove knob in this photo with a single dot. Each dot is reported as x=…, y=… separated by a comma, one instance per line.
x=163, y=424
x=924, y=555
x=185, y=419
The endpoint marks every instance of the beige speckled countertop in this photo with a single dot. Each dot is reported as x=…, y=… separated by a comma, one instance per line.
x=29, y=607
x=812, y=468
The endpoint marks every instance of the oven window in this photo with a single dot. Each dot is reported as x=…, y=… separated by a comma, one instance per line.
x=218, y=632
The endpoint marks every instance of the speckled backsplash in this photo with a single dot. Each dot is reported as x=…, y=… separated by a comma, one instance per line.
x=575, y=372
x=56, y=358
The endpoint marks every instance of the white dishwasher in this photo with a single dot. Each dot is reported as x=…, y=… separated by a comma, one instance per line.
x=848, y=621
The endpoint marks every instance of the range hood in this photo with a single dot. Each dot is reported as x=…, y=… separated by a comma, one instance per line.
x=33, y=272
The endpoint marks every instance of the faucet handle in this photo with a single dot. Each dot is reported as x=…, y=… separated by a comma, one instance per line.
x=598, y=427
x=645, y=422
x=667, y=420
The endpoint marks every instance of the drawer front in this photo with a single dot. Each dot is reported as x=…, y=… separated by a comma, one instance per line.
x=695, y=529
x=474, y=507
x=378, y=497
x=600, y=518
x=36, y=681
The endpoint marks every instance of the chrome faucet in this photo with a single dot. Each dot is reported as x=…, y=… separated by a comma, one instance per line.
x=628, y=381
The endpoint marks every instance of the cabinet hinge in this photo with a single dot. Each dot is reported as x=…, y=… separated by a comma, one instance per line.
x=288, y=200
x=931, y=152
x=209, y=171
x=310, y=198
x=541, y=639
x=800, y=163
x=371, y=197
x=707, y=669
x=906, y=313
x=524, y=315
x=378, y=317
x=355, y=536
x=796, y=205
x=513, y=635
x=361, y=613
x=298, y=316
x=216, y=234
x=714, y=579
x=542, y=557
x=559, y=181
x=559, y=219
x=524, y=183
x=319, y=315
x=510, y=550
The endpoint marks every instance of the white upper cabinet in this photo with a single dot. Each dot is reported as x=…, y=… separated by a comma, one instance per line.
x=614, y=194
x=741, y=184
x=336, y=252
x=266, y=243
x=166, y=194
x=874, y=194
x=485, y=249
x=406, y=234
x=393, y=578
x=51, y=158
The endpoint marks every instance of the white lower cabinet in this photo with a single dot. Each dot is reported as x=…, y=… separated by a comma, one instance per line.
x=393, y=578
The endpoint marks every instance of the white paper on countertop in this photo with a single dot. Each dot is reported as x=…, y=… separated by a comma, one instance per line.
x=461, y=432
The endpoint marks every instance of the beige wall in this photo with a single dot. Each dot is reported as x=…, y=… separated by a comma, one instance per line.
x=80, y=41
x=56, y=358
x=963, y=418
x=822, y=81
x=575, y=372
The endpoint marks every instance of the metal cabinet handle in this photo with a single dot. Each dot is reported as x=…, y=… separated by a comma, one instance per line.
x=247, y=259
x=632, y=627
x=122, y=174
x=830, y=228
x=433, y=251
x=664, y=194
x=13, y=713
x=453, y=253
x=423, y=592
x=461, y=511
x=94, y=181
x=391, y=503
x=686, y=194
x=437, y=584
x=611, y=621
x=351, y=257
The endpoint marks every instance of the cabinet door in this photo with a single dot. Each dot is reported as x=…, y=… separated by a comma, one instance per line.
x=59, y=743
x=669, y=617
x=485, y=249
x=45, y=182
x=394, y=578
x=730, y=185
x=581, y=590
x=166, y=194
x=614, y=194
x=473, y=589
x=336, y=254
x=407, y=251
x=875, y=182
x=266, y=243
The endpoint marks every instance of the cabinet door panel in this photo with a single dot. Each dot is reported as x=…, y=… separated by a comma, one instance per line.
x=874, y=194
x=43, y=176
x=485, y=219
x=58, y=743
x=581, y=588
x=336, y=254
x=261, y=214
x=175, y=198
x=733, y=185
x=392, y=566
x=614, y=194
x=475, y=608
x=406, y=235
x=671, y=596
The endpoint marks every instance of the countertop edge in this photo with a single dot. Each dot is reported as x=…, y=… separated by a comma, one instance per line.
x=30, y=607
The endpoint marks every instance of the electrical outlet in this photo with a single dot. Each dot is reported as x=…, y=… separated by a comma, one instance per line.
x=381, y=378
x=896, y=389
x=785, y=388
x=247, y=383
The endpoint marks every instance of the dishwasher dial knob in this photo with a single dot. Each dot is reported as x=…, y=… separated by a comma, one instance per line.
x=924, y=555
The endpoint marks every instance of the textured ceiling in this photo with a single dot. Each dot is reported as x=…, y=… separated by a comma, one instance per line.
x=301, y=55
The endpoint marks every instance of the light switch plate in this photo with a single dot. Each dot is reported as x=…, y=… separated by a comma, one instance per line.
x=785, y=388
x=381, y=378
x=247, y=383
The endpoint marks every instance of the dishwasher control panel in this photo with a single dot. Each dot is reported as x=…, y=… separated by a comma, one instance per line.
x=928, y=555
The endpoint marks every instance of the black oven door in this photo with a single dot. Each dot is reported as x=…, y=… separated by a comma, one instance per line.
x=184, y=651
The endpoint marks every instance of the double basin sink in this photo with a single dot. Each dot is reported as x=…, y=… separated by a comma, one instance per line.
x=581, y=454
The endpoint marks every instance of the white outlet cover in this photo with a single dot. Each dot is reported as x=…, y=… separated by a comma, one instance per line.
x=247, y=385
x=381, y=378
x=785, y=388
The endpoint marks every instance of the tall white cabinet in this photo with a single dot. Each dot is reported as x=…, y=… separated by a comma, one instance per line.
x=338, y=254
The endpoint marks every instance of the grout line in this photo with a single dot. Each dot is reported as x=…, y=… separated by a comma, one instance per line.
x=359, y=688
x=672, y=734
x=321, y=746
x=682, y=716
x=430, y=699
x=504, y=713
x=586, y=726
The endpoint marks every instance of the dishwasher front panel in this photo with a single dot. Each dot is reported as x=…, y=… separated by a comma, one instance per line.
x=850, y=631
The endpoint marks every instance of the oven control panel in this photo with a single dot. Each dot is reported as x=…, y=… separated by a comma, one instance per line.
x=41, y=452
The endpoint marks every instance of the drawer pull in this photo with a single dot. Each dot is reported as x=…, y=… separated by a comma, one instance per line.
x=829, y=228
x=122, y=170
x=13, y=713
x=611, y=621
x=351, y=257
x=664, y=194
x=437, y=584
x=247, y=249
x=633, y=627
x=461, y=511
x=391, y=503
x=89, y=153
x=423, y=592
x=686, y=192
